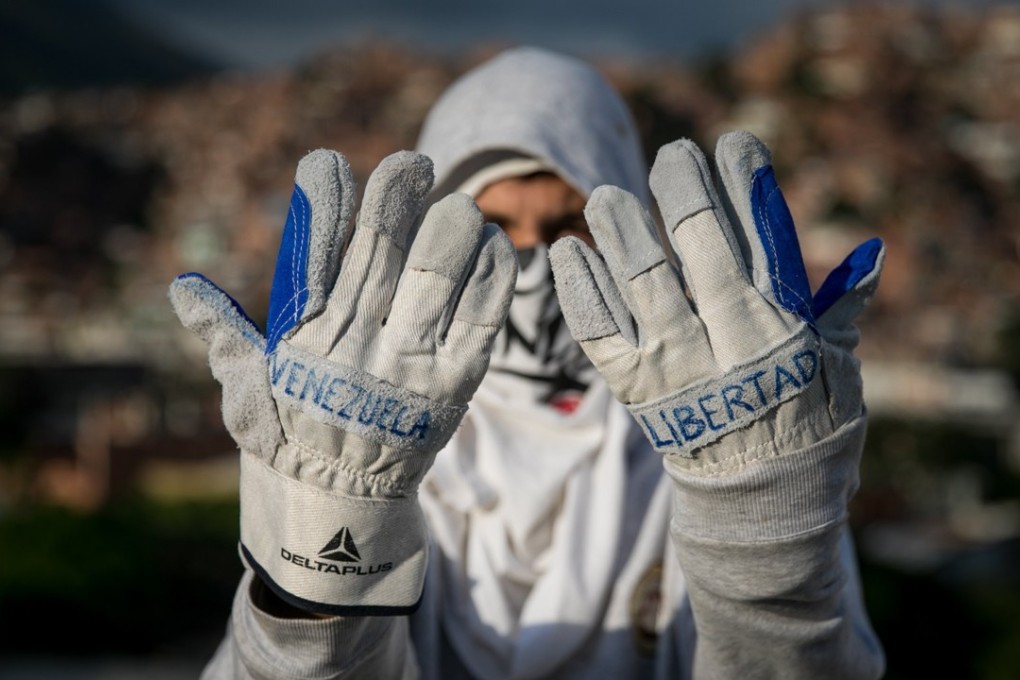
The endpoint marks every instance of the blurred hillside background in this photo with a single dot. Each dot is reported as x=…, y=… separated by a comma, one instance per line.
x=143, y=139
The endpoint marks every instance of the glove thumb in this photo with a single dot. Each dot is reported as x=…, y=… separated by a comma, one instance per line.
x=846, y=292
x=236, y=356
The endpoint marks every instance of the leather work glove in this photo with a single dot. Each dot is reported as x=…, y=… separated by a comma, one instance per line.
x=746, y=364
x=377, y=338
x=747, y=384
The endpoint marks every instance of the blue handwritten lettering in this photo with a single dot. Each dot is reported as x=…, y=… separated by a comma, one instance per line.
x=358, y=390
x=395, y=429
x=388, y=404
x=421, y=426
x=720, y=407
x=733, y=395
x=753, y=379
x=658, y=441
x=806, y=363
x=276, y=368
x=316, y=387
x=331, y=391
x=672, y=430
x=784, y=377
x=293, y=377
x=366, y=417
x=691, y=427
x=367, y=405
x=707, y=412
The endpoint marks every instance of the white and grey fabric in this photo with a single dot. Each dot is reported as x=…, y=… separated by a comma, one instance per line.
x=538, y=501
x=534, y=104
x=551, y=530
x=377, y=339
x=534, y=356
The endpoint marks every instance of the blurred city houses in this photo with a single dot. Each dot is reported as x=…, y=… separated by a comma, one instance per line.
x=899, y=123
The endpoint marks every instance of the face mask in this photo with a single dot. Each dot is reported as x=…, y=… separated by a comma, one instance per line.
x=535, y=344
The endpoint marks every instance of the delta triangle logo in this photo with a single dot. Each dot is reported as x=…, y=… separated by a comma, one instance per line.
x=341, y=548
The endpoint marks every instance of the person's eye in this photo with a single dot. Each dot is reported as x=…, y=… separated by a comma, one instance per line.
x=497, y=219
x=572, y=225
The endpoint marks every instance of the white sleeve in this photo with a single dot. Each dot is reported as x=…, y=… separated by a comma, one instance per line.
x=259, y=646
x=769, y=566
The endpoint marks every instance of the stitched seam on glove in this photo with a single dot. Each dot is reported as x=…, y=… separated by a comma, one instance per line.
x=742, y=459
x=783, y=285
x=279, y=331
x=336, y=466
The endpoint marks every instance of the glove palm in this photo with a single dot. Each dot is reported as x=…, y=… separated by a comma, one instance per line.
x=363, y=375
x=746, y=353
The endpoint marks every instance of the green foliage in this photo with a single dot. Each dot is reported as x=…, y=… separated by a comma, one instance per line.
x=126, y=579
x=913, y=455
x=1009, y=348
x=959, y=621
x=959, y=618
x=925, y=627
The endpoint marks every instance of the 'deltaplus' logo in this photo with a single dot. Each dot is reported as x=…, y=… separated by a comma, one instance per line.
x=341, y=548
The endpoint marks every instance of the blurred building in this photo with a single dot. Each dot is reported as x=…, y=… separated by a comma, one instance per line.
x=900, y=122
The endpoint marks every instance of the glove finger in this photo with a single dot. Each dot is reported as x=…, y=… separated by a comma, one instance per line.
x=484, y=301
x=849, y=287
x=488, y=289
x=313, y=238
x=395, y=196
x=595, y=313
x=710, y=257
x=713, y=268
x=359, y=304
x=591, y=302
x=206, y=310
x=236, y=356
x=764, y=228
x=438, y=264
x=627, y=239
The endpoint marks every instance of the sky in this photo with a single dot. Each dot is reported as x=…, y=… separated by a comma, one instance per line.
x=267, y=33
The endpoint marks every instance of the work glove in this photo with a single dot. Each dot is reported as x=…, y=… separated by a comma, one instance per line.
x=733, y=359
x=377, y=338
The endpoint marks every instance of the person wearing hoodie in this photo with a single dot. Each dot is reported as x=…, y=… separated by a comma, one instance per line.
x=537, y=533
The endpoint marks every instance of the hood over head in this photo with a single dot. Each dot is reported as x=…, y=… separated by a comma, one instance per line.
x=535, y=104
x=529, y=110
x=528, y=494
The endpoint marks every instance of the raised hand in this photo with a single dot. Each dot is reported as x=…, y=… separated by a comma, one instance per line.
x=377, y=338
x=731, y=358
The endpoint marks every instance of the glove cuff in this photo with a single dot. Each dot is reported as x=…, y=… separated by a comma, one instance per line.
x=769, y=499
x=331, y=554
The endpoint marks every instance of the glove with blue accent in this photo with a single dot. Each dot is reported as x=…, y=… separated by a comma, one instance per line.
x=745, y=363
x=377, y=339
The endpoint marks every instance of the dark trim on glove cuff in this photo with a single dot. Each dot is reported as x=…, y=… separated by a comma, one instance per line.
x=320, y=607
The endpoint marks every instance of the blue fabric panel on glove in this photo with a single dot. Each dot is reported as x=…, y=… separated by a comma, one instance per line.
x=847, y=275
x=290, y=284
x=779, y=240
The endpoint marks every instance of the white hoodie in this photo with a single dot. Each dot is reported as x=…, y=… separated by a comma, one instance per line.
x=552, y=530
x=551, y=527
